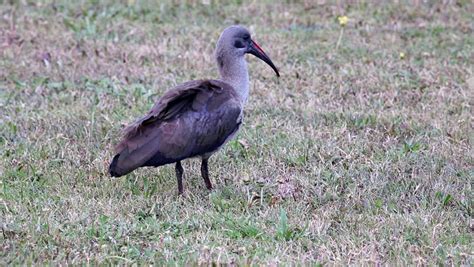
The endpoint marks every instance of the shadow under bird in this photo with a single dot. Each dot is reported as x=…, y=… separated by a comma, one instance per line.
x=196, y=118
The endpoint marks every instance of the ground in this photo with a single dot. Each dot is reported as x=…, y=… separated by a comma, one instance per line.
x=360, y=153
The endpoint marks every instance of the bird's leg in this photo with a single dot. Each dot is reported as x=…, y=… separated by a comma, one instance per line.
x=179, y=174
x=205, y=174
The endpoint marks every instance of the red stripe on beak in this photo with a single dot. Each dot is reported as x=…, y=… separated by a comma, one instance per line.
x=257, y=51
x=258, y=47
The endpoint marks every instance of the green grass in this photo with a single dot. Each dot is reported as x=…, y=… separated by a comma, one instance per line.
x=353, y=156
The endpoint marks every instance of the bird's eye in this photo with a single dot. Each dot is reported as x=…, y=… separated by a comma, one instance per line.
x=239, y=44
x=246, y=37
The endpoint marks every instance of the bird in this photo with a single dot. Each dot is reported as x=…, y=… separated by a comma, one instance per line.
x=195, y=118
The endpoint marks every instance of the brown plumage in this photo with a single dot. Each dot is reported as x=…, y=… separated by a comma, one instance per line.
x=179, y=126
x=195, y=118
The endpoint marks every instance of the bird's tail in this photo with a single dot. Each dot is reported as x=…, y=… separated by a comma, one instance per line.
x=113, y=168
x=136, y=151
x=125, y=162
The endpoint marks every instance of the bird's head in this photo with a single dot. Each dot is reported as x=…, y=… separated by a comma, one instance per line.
x=236, y=41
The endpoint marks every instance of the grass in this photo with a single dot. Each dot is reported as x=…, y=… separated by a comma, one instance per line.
x=356, y=155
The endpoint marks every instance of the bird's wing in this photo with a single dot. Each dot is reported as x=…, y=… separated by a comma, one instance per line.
x=187, y=120
x=166, y=108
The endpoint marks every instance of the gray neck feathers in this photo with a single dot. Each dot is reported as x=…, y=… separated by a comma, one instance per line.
x=233, y=70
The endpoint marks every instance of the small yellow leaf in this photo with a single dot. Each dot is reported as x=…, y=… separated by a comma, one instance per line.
x=402, y=55
x=343, y=20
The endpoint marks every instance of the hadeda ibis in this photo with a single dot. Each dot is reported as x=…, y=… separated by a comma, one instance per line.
x=196, y=118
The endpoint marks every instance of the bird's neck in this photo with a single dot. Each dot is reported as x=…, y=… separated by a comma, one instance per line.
x=234, y=72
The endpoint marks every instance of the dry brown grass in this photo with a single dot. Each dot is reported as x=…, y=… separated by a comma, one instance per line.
x=356, y=155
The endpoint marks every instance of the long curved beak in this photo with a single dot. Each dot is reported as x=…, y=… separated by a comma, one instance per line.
x=255, y=50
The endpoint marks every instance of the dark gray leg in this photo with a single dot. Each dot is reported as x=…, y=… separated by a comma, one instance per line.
x=179, y=174
x=205, y=174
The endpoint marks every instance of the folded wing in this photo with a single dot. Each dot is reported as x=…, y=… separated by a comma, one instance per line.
x=191, y=119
